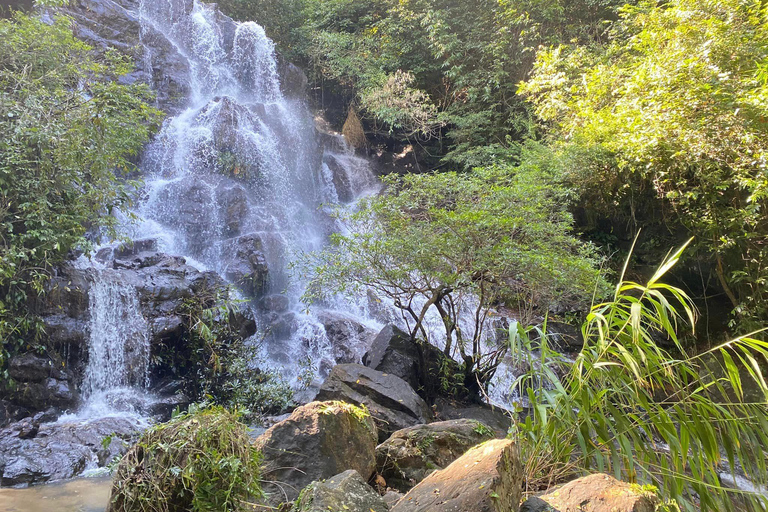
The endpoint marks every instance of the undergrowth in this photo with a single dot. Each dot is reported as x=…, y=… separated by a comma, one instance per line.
x=648, y=415
x=201, y=461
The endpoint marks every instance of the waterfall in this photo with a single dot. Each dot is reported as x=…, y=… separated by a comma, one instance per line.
x=236, y=181
x=118, y=344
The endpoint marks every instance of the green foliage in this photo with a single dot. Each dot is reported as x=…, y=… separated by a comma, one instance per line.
x=458, y=245
x=67, y=129
x=628, y=406
x=217, y=363
x=674, y=106
x=201, y=461
x=422, y=68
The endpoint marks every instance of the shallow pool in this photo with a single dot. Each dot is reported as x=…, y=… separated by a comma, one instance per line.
x=80, y=495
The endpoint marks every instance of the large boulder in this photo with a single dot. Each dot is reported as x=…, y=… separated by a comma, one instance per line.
x=394, y=352
x=393, y=404
x=32, y=453
x=346, y=492
x=411, y=454
x=422, y=365
x=488, y=478
x=595, y=493
x=317, y=441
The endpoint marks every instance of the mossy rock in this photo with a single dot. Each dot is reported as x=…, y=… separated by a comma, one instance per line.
x=346, y=492
x=411, y=454
x=318, y=441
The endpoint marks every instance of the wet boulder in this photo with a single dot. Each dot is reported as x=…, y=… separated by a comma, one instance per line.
x=348, y=337
x=488, y=478
x=60, y=451
x=246, y=264
x=39, y=383
x=596, y=493
x=393, y=404
x=317, y=441
x=346, y=492
x=409, y=455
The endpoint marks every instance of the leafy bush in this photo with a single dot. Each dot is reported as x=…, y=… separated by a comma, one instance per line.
x=630, y=407
x=217, y=363
x=673, y=106
x=201, y=461
x=66, y=128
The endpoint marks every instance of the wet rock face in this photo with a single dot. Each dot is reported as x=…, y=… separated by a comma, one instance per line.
x=33, y=453
x=162, y=284
x=488, y=478
x=411, y=454
x=596, y=493
x=246, y=264
x=115, y=24
x=348, y=337
x=393, y=404
x=38, y=383
x=317, y=441
x=345, y=492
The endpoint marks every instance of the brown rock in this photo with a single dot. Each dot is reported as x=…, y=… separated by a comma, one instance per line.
x=411, y=454
x=318, y=441
x=593, y=493
x=488, y=478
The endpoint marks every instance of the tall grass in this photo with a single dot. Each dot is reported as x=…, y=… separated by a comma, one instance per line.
x=648, y=414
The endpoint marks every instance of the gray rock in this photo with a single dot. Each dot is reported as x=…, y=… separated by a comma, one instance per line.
x=39, y=383
x=348, y=337
x=317, y=441
x=394, y=352
x=392, y=497
x=63, y=451
x=246, y=264
x=500, y=420
x=346, y=492
x=411, y=454
x=393, y=404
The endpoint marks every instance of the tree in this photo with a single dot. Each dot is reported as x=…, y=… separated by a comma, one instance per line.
x=456, y=246
x=677, y=103
x=67, y=130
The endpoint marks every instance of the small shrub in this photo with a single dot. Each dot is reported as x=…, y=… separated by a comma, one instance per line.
x=200, y=461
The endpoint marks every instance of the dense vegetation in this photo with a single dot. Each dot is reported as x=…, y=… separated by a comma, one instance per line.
x=455, y=246
x=201, y=461
x=67, y=133
x=654, y=113
x=628, y=406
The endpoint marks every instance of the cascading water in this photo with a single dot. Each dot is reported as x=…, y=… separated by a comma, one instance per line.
x=118, y=346
x=236, y=181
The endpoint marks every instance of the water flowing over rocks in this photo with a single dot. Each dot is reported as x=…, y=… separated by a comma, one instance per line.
x=317, y=441
x=393, y=404
x=488, y=478
x=411, y=454
x=346, y=491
